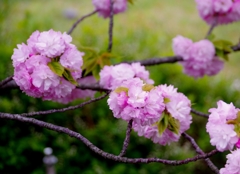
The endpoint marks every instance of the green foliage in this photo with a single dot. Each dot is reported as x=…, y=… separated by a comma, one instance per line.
x=56, y=67
x=168, y=122
x=223, y=48
x=94, y=61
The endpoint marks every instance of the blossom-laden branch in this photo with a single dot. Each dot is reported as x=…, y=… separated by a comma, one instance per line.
x=31, y=114
x=80, y=20
x=127, y=139
x=98, y=151
x=199, y=151
x=199, y=113
x=110, y=30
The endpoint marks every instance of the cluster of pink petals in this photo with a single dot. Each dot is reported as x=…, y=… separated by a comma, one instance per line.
x=103, y=7
x=146, y=107
x=233, y=161
x=32, y=73
x=112, y=77
x=216, y=12
x=222, y=133
x=199, y=58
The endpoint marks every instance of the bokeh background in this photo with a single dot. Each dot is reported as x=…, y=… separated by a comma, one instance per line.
x=144, y=31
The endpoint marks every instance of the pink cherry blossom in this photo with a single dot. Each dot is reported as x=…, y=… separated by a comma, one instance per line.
x=217, y=12
x=222, y=134
x=103, y=7
x=44, y=78
x=238, y=144
x=130, y=101
x=32, y=70
x=178, y=107
x=147, y=105
x=198, y=58
x=181, y=46
x=50, y=43
x=112, y=77
x=232, y=166
x=20, y=54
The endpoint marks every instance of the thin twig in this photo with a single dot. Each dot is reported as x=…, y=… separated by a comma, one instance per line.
x=5, y=81
x=94, y=87
x=236, y=47
x=210, y=31
x=80, y=20
x=63, y=109
x=199, y=113
x=199, y=151
x=110, y=30
x=160, y=60
x=127, y=139
x=98, y=151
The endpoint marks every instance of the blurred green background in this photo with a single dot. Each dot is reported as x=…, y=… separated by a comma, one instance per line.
x=144, y=31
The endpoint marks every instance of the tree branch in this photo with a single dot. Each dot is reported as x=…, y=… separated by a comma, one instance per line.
x=127, y=139
x=210, y=31
x=80, y=20
x=110, y=30
x=62, y=109
x=94, y=87
x=96, y=149
x=5, y=81
x=199, y=113
x=157, y=61
x=199, y=151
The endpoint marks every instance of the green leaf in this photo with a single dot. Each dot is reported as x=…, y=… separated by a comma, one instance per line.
x=237, y=129
x=96, y=72
x=89, y=66
x=130, y=1
x=56, y=67
x=221, y=44
x=68, y=76
x=163, y=123
x=121, y=89
x=147, y=87
x=173, y=125
x=104, y=59
x=211, y=37
x=166, y=100
x=221, y=53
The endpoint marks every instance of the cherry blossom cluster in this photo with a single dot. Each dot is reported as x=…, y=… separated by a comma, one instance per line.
x=33, y=61
x=159, y=113
x=112, y=77
x=103, y=7
x=199, y=58
x=233, y=161
x=224, y=126
x=216, y=12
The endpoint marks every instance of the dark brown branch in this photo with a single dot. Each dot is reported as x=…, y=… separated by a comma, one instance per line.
x=63, y=109
x=127, y=139
x=80, y=20
x=199, y=151
x=94, y=87
x=5, y=81
x=96, y=149
x=199, y=113
x=236, y=47
x=160, y=60
x=110, y=30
